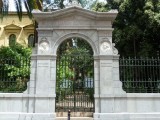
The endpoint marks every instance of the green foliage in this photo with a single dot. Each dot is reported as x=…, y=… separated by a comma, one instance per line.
x=74, y=63
x=90, y=92
x=15, y=51
x=87, y=4
x=73, y=54
x=137, y=26
x=101, y=7
x=60, y=69
x=14, y=68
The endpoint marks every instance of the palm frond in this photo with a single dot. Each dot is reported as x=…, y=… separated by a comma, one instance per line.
x=18, y=5
x=29, y=7
x=1, y=4
x=4, y=8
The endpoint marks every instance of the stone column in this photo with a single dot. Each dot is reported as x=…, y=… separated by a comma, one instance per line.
x=42, y=85
x=109, y=92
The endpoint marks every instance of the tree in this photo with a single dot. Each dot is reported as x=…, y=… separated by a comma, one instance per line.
x=101, y=7
x=88, y=4
x=14, y=68
x=137, y=26
x=76, y=54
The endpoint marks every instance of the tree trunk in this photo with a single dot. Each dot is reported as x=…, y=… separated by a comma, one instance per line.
x=1, y=5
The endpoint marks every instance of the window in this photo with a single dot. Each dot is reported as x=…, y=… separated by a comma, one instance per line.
x=31, y=40
x=12, y=39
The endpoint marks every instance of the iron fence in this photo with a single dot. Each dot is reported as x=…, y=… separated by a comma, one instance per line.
x=14, y=74
x=75, y=83
x=140, y=75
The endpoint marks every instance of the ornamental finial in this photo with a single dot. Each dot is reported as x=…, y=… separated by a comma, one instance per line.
x=73, y=3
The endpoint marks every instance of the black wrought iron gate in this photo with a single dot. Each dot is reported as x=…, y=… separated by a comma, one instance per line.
x=75, y=83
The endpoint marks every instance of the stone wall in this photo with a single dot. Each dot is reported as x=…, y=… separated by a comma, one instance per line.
x=132, y=106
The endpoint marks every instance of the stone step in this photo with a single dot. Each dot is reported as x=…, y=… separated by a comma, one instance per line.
x=75, y=114
x=74, y=118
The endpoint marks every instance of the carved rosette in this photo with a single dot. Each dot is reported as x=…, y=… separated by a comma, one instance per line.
x=105, y=46
x=44, y=46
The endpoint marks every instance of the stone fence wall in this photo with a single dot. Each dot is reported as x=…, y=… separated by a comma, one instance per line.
x=130, y=106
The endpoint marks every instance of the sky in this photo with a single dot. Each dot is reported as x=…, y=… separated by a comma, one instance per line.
x=12, y=7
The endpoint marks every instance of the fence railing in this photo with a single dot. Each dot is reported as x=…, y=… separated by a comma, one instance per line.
x=140, y=75
x=14, y=74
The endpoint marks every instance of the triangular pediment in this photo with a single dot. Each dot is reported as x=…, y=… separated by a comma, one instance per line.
x=12, y=27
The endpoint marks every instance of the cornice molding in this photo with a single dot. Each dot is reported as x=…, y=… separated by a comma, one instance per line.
x=111, y=15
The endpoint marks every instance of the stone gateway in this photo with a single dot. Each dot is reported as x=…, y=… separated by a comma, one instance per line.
x=96, y=29
x=38, y=102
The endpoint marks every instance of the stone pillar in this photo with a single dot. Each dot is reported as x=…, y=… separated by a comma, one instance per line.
x=42, y=84
x=108, y=63
x=109, y=92
x=45, y=97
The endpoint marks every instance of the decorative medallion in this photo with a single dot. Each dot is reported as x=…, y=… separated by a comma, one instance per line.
x=44, y=46
x=105, y=46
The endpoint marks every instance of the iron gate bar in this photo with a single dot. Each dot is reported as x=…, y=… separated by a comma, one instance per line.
x=140, y=75
x=75, y=83
x=14, y=74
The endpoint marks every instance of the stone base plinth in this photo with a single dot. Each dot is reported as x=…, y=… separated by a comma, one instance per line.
x=27, y=116
x=127, y=116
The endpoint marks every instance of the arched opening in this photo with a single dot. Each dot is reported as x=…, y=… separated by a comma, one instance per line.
x=75, y=77
x=31, y=40
x=12, y=39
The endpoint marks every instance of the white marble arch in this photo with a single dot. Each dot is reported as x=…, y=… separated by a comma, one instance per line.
x=72, y=35
x=93, y=27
